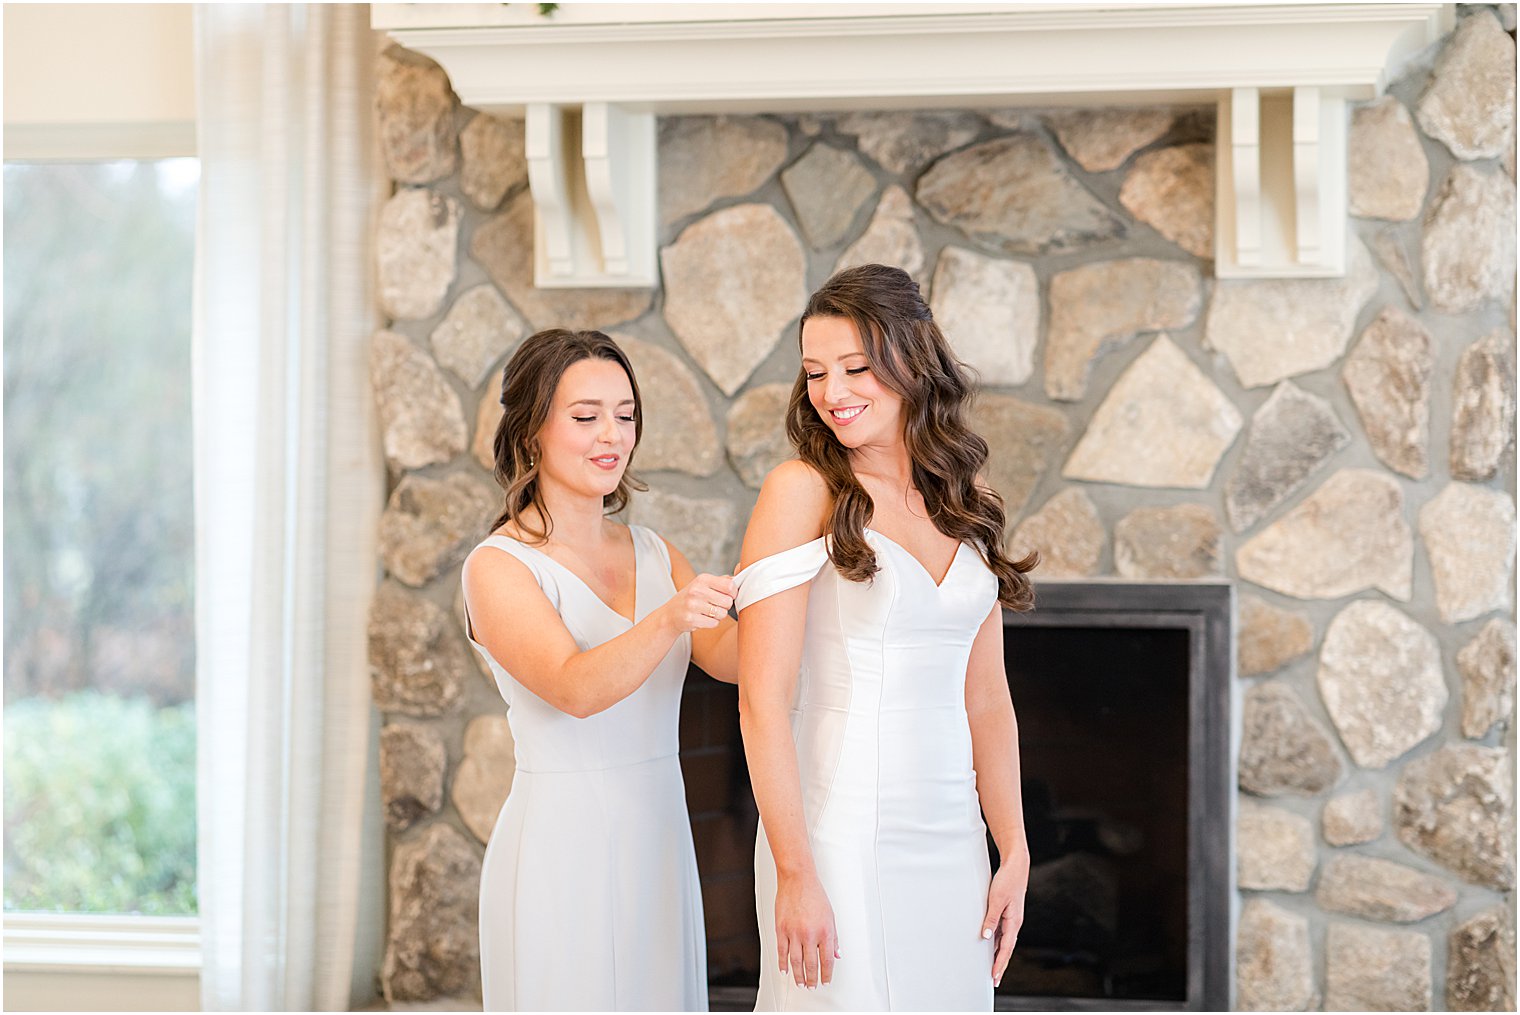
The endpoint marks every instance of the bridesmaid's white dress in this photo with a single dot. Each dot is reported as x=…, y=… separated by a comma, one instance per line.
x=589, y=897
x=888, y=789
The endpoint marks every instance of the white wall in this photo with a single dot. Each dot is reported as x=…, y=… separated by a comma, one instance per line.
x=99, y=80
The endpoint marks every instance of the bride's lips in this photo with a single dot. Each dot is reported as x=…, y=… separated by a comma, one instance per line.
x=608, y=462
x=845, y=415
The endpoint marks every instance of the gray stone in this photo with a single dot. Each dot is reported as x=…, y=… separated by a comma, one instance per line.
x=415, y=104
x=1480, y=964
x=503, y=245
x=433, y=949
x=1274, y=849
x=678, y=432
x=1163, y=423
x=1283, y=750
x=494, y=159
x=417, y=659
x=827, y=187
x=903, y=142
x=701, y=528
x=1346, y=537
x=1483, y=409
x=1292, y=435
x=733, y=281
x=1274, y=328
x=1380, y=678
x=1098, y=307
x=1352, y=818
x=1167, y=543
x=1469, y=533
x=415, y=250
x=1012, y=195
x=1066, y=532
x=1386, y=168
x=421, y=421
x=1375, y=889
x=890, y=238
x=1469, y=105
x=1370, y=969
x=705, y=158
x=478, y=331
x=412, y=763
x=1390, y=250
x=429, y=525
x=485, y=773
x=1457, y=807
x=1468, y=249
x=1273, y=967
x=1027, y=438
x=1172, y=191
x=1269, y=636
x=487, y=419
x=989, y=310
x=1388, y=375
x=757, y=440
x=1102, y=139
x=1487, y=664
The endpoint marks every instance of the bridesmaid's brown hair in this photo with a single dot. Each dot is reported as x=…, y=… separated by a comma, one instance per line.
x=908, y=354
x=528, y=384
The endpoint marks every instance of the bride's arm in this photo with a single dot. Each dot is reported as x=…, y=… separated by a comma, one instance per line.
x=789, y=513
x=995, y=755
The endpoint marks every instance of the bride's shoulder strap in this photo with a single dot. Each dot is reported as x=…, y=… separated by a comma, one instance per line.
x=779, y=572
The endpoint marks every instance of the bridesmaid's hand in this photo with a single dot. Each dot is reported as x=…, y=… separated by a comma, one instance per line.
x=805, y=936
x=703, y=603
x=1005, y=909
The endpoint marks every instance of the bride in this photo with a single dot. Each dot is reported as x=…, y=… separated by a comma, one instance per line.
x=874, y=704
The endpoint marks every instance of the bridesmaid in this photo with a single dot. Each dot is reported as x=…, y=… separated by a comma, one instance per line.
x=873, y=697
x=588, y=893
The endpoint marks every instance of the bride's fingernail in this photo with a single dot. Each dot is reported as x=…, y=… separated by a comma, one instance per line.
x=986, y=935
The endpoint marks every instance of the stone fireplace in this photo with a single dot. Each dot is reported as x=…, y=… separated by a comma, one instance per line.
x=1334, y=455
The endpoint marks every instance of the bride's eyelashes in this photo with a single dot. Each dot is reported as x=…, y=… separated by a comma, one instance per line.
x=818, y=376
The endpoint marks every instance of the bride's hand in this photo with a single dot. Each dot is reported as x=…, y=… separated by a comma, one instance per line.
x=806, y=940
x=1005, y=910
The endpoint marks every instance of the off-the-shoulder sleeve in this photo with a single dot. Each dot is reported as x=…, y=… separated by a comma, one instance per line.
x=779, y=572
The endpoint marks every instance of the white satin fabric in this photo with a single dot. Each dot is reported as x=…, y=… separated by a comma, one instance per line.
x=888, y=789
x=589, y=899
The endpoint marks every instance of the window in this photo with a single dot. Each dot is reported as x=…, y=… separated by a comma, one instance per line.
x=99, y=653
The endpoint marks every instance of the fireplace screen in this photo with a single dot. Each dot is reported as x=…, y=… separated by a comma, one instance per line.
x=1124, y=694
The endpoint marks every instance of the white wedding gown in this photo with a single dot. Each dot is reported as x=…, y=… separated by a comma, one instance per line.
x=888, y=789
x=589, y=897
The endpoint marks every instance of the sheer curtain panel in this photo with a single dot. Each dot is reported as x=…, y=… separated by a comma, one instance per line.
x=289, y=486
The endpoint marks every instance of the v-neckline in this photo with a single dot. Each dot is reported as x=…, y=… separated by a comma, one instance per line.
x=954, y=558
x=630, y=621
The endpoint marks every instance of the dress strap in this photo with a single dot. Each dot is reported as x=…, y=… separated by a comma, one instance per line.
x=779, y=572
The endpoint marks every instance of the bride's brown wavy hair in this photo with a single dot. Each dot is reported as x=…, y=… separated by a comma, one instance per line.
x=908, y=354
x=528, y=384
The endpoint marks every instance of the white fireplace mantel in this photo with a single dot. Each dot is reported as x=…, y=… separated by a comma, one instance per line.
x=590, y=78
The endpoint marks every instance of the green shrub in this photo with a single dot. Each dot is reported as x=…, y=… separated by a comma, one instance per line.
x=99, y=805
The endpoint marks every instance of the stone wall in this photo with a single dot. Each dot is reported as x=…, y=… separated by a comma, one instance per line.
x=1342, y=448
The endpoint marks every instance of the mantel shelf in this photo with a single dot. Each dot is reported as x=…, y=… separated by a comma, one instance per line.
x=624, y=64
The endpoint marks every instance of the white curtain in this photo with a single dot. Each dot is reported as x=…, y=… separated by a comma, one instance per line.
x=289, y=484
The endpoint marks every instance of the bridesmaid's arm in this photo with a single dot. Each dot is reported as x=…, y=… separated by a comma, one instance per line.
x=510, y=615
x=716, y=649
x=995, y=755
x=790, y=512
